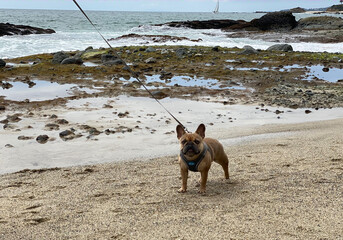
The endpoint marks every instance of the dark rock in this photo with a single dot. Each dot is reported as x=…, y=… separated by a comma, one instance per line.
x=247, y=50
x=109, y=59
x=326, y=69
x=52, y=126
x=72, y=60
x=180, y=52
x=207, y=24
x=2, y=108
x=281, y=47
x=271, y=21
x=275, y=21
x=24, y=138
x=335, y=8
x=308, y=111
x=42, y=139
x=215, y=49
x=67, y=135
x=297, y=10
x=9, y=146
x=2, y=63
x=159, y=94
x=62, y=121
x=11, y=29
x=320, y=23
x=59, y=57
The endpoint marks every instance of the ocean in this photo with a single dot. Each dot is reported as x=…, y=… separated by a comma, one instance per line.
x=73, y=32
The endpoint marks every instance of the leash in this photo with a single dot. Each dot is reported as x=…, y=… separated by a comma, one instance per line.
x=134, y=74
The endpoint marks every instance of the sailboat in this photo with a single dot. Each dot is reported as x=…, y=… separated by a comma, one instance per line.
x=216, y=10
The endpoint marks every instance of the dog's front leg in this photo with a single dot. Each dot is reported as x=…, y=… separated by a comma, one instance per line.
x=203, y=181
x=184, y=177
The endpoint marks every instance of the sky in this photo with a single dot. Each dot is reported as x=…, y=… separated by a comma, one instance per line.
x=168, y=5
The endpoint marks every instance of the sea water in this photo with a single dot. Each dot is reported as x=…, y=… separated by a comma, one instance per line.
x=73, y=32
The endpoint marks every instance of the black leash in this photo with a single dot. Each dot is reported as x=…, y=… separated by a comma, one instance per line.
x=134, y=74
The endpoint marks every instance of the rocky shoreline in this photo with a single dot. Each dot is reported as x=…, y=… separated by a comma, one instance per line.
x=275, y=27
x=282, y=77
x=12, y=29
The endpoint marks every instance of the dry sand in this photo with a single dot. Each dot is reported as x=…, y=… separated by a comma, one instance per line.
x=290, y=187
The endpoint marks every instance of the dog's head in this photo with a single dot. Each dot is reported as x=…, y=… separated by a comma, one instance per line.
x=191, y=143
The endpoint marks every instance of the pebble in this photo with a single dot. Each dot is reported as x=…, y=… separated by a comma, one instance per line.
x=42, y=139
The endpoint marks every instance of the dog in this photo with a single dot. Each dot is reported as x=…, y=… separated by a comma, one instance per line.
x=197, y=154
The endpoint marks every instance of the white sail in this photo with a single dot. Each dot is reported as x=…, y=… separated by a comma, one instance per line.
x=216, y=10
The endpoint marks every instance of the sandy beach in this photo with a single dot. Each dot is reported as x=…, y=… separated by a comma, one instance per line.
x=285, y=187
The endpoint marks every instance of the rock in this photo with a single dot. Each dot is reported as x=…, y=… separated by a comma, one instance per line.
x=59, y=57
x=24, y=138
x=150, y=60
x=308, y=111
x=207, y=24
x=180, y=52
x=11, y=29
x=62, y=121
x=283, y=20
x=2, y=63
x=150, y=49
x=42, y=139
x=335, y=8
x=325, y=69
x=215, y=49
x=320, y=23
x=2, y=108
x=67, y=135
x=281, y=47
x=247, y=50
x=109, y=59
x=52, y=126
x=9, y=146
x=13, y=118
x=72, y=60
x=159, y=94
x=297, y=10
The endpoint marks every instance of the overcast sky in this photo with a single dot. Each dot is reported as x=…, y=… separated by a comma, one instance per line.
x=169, y=5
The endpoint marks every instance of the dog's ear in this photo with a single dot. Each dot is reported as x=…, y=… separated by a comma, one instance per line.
x=180, y=131
x=201, y=130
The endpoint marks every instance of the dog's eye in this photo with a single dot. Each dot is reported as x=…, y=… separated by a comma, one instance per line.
x=196, y=141
x=184, y=142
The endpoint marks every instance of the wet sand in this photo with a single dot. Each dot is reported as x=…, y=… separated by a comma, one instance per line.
x=289, y=187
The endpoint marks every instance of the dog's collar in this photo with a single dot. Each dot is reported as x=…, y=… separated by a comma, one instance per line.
x=193, y=165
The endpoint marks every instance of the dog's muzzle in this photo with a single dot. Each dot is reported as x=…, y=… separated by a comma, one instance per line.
x=190, y=146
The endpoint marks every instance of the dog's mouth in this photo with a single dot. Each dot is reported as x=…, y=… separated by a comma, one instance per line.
x=190, y=149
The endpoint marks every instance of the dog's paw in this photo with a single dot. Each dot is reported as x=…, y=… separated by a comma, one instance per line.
x=181, y=190
x=202, y=191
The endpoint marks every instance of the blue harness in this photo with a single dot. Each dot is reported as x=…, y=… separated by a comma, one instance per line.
x=193, y=165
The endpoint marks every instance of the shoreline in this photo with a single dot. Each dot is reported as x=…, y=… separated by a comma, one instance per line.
x=282, y=187
x=99, y=129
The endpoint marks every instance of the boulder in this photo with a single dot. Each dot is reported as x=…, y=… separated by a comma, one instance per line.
x=180, y=52
x=2, y=63
x=247, y=50
x=11, y=29
x=207, y=24
x=59, y=57
x=281, y=47
x=109, y=59
x=320, y=23
x=72, y=60
x=275, y=21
